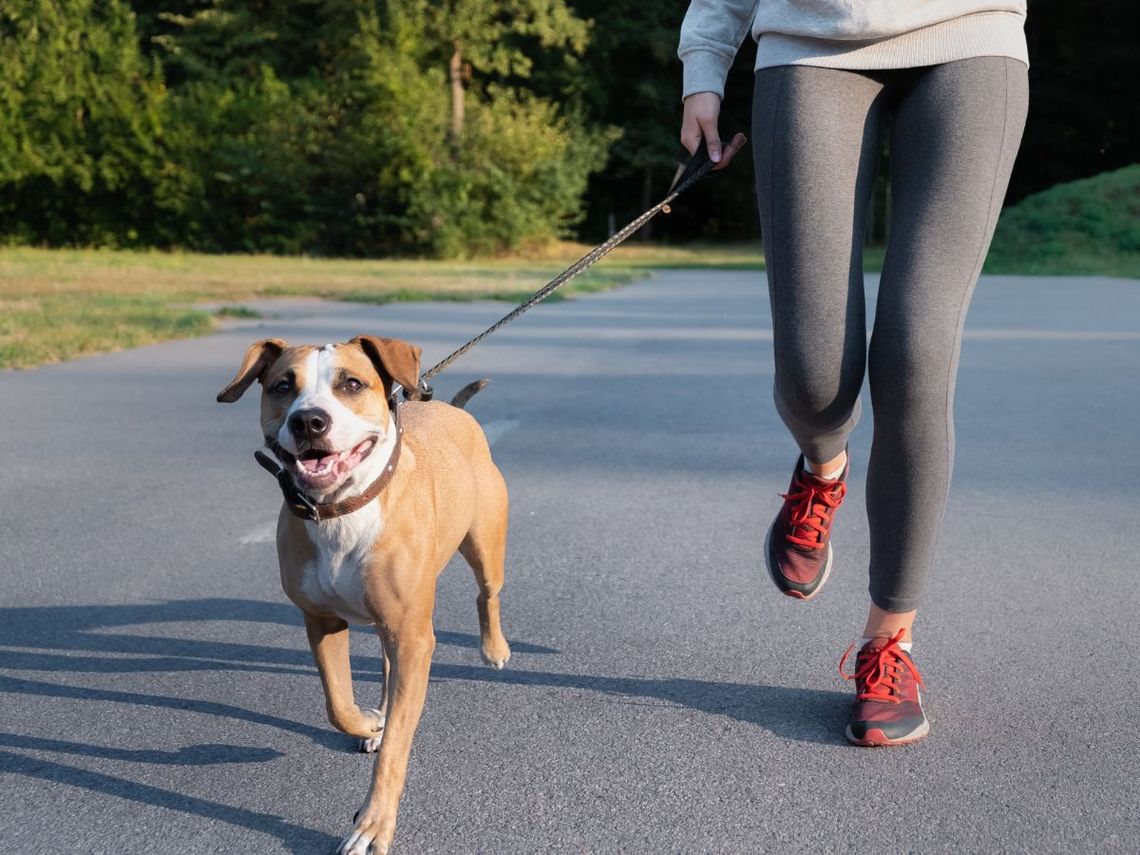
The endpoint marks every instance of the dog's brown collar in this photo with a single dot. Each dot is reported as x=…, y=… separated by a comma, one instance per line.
x=304, y=507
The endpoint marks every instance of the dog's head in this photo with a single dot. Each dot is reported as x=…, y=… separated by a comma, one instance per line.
x=328, y=405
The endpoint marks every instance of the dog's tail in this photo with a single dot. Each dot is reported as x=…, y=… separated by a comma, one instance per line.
x=468, y=392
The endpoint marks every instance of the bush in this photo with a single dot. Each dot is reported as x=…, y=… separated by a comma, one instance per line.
x=517, y=176
x=1086, y=226
x=80, y=121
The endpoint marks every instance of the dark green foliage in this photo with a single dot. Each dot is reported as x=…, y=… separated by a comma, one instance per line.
x=441, y=127
x=632, y=81
x=512, y=166
x=81, y=114
x=319, y=126
x=518, y=176
x=1087, y=226
x=1084, y=114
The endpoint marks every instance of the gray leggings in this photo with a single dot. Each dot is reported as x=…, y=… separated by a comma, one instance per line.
x=953, y=137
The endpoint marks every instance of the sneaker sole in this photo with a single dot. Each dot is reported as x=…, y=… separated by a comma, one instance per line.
x=875, y=738
x=795, y=595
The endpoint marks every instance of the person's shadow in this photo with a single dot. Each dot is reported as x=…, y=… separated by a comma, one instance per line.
x=76, y=639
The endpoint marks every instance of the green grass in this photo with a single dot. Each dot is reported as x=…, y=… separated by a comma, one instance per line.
x=52, y=327
x=236, y=312
x=60, y=304
x=1089, y=227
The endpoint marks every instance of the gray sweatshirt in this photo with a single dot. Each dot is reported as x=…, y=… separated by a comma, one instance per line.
x=856, y=34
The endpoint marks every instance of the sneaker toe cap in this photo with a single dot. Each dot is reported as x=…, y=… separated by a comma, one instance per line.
x=872, y=722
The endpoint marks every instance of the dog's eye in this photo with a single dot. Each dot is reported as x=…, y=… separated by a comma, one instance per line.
x=352, y=385
x=282, y=386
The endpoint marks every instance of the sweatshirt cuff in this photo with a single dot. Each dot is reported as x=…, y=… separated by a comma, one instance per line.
x=704, y=71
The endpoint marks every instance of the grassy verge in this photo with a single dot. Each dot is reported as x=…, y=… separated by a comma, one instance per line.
x=1089, y=227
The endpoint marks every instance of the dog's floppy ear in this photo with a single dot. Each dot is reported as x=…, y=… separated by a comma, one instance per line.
x=258, y=358
x=394, y=360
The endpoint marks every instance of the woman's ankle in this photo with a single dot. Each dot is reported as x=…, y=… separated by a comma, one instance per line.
x=828, y=470
x=881, y=623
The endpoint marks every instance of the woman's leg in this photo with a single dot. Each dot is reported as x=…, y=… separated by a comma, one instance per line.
x=955, y=134
x=953, y=141
x=816, y=135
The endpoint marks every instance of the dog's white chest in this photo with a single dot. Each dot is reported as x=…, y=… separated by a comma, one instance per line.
x=334, y=578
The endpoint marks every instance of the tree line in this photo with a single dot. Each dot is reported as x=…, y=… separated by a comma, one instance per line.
x=433, y=127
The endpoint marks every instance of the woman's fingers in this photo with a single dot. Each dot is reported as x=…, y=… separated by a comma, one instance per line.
x=702, y=110
x=712, y=137
x=702, y=113
x=690, y=134
x=736, y=144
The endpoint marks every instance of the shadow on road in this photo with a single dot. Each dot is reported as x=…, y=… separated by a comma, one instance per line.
x=75, y=639
x=188, y=755
x=49, y=639
x=804, y=715
x=82, y=629
x=296, y=838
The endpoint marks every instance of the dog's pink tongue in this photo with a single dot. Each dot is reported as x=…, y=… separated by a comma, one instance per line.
x=347, y=462
x=350, y=459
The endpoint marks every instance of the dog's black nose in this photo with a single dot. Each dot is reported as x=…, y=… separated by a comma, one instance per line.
x=310, y=424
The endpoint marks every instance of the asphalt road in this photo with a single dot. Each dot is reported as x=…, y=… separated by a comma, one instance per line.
x=158, y=695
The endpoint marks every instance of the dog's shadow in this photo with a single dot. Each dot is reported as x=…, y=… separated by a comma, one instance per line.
x=295, y=838
x=82, y=639
x=803, y=715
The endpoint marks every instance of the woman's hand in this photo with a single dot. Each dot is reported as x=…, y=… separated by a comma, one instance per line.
x=702, y=110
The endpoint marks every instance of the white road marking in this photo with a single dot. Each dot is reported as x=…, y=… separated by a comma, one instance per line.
x=1053, y=335
x=499, y=428
x=266, y=533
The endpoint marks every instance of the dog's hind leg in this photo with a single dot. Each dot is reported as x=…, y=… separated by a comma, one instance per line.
x=371, y=745
x=485, y=549
x=328, y=637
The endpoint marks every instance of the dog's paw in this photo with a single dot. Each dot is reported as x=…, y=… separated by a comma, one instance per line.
x=497, y=658
x=371, y=744
x=361, y=843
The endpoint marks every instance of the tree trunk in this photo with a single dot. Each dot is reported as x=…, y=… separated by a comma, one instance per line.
x=455, y=74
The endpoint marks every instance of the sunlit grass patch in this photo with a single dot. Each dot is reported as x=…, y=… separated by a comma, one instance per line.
x=59, y=304
x=56, y=327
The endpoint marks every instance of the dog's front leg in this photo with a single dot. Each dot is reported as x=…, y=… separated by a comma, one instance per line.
x=328, y=637
x=409, y=644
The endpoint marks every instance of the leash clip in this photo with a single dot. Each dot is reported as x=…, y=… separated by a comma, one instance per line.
x=423, y=392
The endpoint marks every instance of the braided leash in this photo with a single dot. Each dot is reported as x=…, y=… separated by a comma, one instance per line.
x=697, y=168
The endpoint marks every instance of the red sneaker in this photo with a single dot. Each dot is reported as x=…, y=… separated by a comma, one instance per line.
x=888, y=699
x=798, y=547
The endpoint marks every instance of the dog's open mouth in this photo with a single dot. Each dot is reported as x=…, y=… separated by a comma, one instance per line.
x=323, y=469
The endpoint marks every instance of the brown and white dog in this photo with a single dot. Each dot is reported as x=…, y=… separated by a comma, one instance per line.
x=325, y=413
